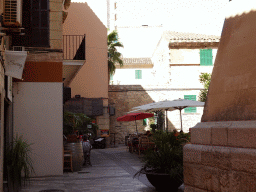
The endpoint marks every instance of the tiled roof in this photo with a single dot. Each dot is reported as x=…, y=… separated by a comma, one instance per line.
x=132, y=61
x=190, y=37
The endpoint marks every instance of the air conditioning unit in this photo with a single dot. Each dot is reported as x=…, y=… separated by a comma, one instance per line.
x=18, y=48
x=12, y=13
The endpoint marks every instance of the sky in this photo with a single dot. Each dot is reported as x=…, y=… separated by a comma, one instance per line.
x=194, y=16
x=201, y=16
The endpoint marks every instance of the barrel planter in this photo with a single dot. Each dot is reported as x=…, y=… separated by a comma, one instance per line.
x=77, y=155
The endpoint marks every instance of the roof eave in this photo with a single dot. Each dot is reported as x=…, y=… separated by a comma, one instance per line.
x=193, y=45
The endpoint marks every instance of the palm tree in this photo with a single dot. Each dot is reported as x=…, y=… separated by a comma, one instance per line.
x=113, y=55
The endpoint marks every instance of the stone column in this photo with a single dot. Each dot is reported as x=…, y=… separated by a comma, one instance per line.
x=222, y=153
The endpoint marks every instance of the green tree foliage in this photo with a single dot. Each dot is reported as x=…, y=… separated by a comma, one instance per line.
x=78, y=122
x=113, y=55
x=205, y=79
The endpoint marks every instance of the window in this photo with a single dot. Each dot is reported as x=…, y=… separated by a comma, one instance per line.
x=111, y=77
x=35, y=20
x=115, y=17
x=206, y=57
x=115, y=5
x=138, y=74
x=190, y=109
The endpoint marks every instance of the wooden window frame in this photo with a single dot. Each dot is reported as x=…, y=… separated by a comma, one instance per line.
x=41, y=17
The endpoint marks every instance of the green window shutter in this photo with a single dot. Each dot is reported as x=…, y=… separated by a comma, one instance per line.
x=187, y=110
x=187, y=97
x=209, y=57
x=111, y=77
x=138, y=74
x=206, y=57
x=193, y=97
x=144, y=121
x=202, y=57
x=190, y=109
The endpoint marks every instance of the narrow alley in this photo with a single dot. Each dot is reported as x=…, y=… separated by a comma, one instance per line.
x=112, y=170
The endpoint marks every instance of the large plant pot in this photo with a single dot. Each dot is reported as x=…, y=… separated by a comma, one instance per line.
x=77, y=155
x=162, y=181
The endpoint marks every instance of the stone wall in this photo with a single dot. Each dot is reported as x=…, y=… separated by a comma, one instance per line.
x=221, y=157
x=124, y=97
x=39, y=56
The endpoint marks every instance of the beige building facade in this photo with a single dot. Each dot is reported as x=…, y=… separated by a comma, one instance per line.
x=33, y=105
x=91, y=79
x=38, y=96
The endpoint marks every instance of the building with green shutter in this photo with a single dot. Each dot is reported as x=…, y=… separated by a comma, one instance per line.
x=179, y=59
x=176, y=63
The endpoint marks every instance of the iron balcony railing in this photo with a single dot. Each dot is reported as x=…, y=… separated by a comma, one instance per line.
x=74, y=47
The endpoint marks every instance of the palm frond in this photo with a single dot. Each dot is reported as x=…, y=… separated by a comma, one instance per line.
x=114, y=57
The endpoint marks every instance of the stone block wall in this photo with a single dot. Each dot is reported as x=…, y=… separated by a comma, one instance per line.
x=56, y=7
x=45, y=56
x=124, y=97
x=221, y=157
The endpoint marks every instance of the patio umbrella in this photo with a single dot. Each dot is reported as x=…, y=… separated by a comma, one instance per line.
x=170, y=106
x=134, y=117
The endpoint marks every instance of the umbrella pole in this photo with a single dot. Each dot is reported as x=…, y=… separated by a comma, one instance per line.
x=136, y=127
x=180, y=121
x=166, y=118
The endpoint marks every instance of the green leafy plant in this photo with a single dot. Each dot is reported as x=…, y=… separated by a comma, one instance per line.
x=153, y=127
x=168, y=158
x=205, y=79
x=19, y=163
x=78, y=122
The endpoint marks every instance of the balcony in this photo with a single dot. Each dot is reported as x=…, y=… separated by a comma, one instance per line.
x=73, y=56
x=74, y=47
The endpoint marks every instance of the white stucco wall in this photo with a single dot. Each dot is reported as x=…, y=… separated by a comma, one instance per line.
x=187, y=56
x=38, y=116
x=127, y=77
x=187, y=76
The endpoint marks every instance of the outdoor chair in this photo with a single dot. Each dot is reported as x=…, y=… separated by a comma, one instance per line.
x=130, y=146
x=143, y=144
x=67, y=163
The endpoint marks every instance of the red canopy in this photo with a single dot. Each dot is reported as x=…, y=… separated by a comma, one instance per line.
x=135, y=116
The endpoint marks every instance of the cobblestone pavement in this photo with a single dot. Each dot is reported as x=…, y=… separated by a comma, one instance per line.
x=112, y=170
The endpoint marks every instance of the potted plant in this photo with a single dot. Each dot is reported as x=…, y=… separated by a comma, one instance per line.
x=76, y=122
x=19, y=163
x=153, y=127
x=164, y=166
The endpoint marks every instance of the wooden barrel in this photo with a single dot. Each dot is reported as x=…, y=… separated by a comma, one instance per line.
x=77, y=155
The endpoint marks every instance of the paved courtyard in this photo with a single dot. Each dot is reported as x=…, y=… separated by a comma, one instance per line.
x=112, y=170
